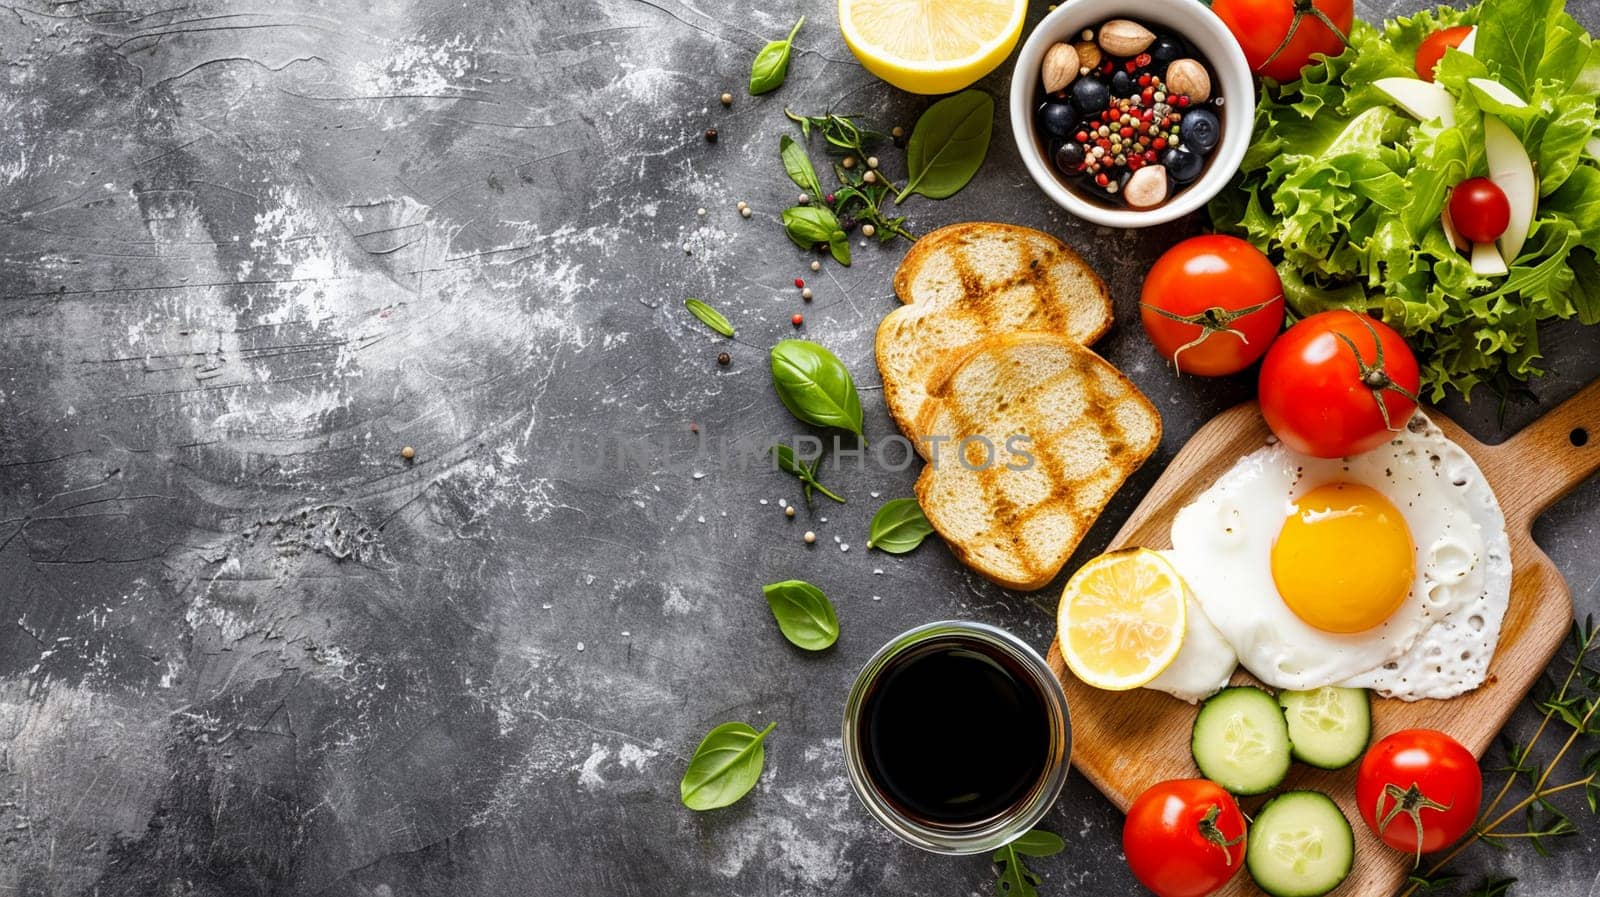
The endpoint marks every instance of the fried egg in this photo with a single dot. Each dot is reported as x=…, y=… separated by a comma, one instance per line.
x=1388, y=570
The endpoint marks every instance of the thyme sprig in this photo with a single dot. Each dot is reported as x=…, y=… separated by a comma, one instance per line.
x=1570, y=704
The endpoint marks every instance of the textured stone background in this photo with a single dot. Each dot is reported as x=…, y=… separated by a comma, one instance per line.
x=248, y=250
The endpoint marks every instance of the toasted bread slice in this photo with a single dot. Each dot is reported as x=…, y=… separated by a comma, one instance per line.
x=967, y=281
x=1088, y=428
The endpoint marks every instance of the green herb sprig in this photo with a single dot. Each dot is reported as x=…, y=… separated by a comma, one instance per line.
x=771, y=65
x=790, y=463
x=805, y=616
x=1571, y=704
x=1016, y=880
x=725, y=766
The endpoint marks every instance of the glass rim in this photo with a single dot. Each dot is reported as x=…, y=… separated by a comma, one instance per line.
x=996, y=831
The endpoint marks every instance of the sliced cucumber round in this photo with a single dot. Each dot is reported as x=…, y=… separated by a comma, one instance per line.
x=1300, y=845
x=1241, y=741
x=1328, y=727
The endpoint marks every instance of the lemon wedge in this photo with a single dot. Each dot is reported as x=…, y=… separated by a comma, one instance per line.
x=931, y=46
x=1122, y=618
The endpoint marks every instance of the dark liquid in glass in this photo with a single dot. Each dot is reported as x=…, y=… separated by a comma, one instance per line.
x=954, y=732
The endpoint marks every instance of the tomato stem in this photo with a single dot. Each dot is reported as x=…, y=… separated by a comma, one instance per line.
x=1213, y=320
x=1212, y=833
x=1303, y=8
x=1375, y=376
x=1410, y=802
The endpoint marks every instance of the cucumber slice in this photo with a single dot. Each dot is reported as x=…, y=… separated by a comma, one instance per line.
x=1241, y=741
x=1328, y=727
x=1300, y=845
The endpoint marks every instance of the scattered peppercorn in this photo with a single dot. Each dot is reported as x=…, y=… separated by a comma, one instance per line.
x=816, y=265
x=789, y=511
x=711, y=135
x=849, y=162
x=868, y=230
x=799, y=283
x=810, y=537
x=694, y=427
x=872, y=161
x=727, y=99
x=806, y=294
x=724, y=359
x=805, y=199
x=897, y=132
x=870, y=177
x=408, y=453
x=797, y=320
x=745, y=211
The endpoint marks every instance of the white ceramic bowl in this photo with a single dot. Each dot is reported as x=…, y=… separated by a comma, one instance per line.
x=1230, y=74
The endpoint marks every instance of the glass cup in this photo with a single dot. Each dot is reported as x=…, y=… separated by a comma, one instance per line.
x=995, y=830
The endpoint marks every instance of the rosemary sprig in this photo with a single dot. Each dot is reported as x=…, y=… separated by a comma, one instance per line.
x=1573, y=704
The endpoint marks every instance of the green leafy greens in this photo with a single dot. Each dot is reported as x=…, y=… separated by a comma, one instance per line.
x=899, y=526
x=1344, y=191
x=790, y=463
x=771, y=65
x=1016, y=880
x=725, y=766
x=804, y=614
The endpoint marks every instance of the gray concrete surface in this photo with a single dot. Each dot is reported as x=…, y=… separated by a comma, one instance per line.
x=250, y=250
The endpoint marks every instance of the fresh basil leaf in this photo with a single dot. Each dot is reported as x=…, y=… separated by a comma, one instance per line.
x=948, y=144
x=772, y=63
x=815, y=385
x=1039, y=843
x=898, y=527
x=798, y=165
x=725, y=766
x=804, y=614
x=709, y=316
x=839, y=247
x=809, y=225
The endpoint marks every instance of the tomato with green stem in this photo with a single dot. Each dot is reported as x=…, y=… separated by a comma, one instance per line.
x=1338, y=383
x=1279, y=37
x=1184, y=837
x=1419, y=790
x=1212, y=304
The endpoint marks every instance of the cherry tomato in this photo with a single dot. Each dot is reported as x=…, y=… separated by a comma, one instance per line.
x=1184, y=837
x=1260, y=25
x=1419, y=790
x=1434, y=45
x=1338, y=383
x=1212, y=305
x=1479, y=210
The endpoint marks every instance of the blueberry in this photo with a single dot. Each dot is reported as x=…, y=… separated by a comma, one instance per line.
x=1201, y=130
x=1068, y=157
x=1090, y=95
x=1164, y=50
x=1182, y=165
x=1058, y=119
x=1123, y=84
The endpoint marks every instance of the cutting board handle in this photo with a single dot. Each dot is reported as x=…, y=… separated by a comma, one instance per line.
x=1549, y=457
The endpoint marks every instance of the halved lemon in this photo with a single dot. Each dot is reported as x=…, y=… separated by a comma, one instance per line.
x=1121, y=619
x=931, y=46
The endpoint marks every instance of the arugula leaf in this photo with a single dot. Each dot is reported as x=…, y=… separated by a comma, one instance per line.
x=1016, y=880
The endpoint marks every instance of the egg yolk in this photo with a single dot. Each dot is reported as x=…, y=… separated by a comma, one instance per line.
x=1344, y=560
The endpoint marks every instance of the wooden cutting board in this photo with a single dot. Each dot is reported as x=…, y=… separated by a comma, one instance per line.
x=1124, y=742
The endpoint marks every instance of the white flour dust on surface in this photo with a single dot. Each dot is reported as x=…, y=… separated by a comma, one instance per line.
x=418, y=68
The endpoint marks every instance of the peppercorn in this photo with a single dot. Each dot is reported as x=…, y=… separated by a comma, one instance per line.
x=868, y=230
x=408, y=453
x=724, y=359
x=797, y=320
x=816, y=265
x=727, y=99
x=711, y=135
x=789, y=511
x=810, y=537
x=799, y=283
x=806, y=294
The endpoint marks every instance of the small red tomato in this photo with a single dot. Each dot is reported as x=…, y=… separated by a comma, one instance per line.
x=1212, y=305
x=1479, y=210
x=1338, y=383
x=1184, y=838
x=1419, y=790
x=1434, y=45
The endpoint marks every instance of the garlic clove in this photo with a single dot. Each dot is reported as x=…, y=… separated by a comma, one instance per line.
x=1147, y=188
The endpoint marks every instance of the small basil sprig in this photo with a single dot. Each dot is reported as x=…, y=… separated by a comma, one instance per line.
x=815, y=386
x=898, y=527
x=724, y=767
x=809, y=225
x=1016, y=880
x=798, y=165
x=789, y=462
x=772, y=63
x=948, y=144
x=709, y=316
x=804, y=614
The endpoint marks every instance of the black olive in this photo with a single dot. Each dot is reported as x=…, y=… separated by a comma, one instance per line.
x=1058, y=119
x=1164, y=50
x=1201, y=130
x=1068, y=157
x=1123, y=84
x=1090, y=95
x=1182, y=165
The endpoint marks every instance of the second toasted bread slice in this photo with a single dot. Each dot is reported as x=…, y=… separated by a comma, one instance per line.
x=1036, y=433
x=967, y=281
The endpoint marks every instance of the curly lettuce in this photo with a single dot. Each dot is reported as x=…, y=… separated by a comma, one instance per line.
x=1344, y=191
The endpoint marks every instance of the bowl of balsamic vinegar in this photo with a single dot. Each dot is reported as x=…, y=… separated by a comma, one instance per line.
x=956, y=737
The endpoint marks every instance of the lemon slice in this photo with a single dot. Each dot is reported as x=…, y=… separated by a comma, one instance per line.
x=1122, y=618
x=931, y=46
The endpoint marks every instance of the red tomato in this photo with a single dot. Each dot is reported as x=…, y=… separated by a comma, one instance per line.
x=1419, y=790
x=1434, y=45
x=1184, y=838
x=1322, y=398
x=1479, y=210
x=1260, y=25
x=1212, y=305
